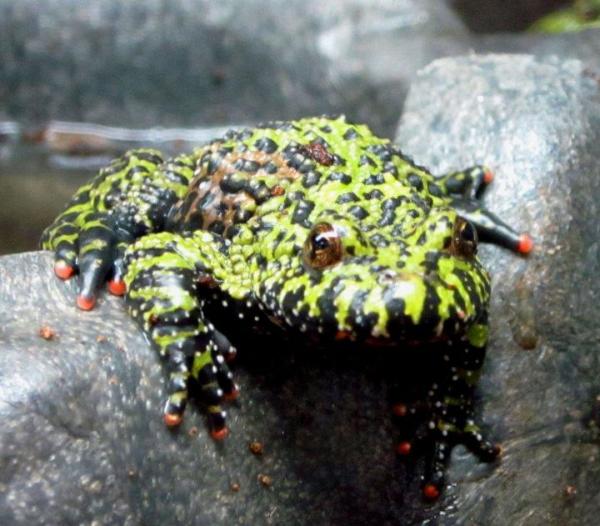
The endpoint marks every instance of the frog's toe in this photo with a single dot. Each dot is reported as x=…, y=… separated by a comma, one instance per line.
x=208, y=374
x=224, y=347
x=435, y=469
x=172, y=416
x=177, y=389
x=116, y=284
x=439, y=454
x=409, y=419
x=524, y=244
x=218, y=427
x=95, y=263
x=63, y=268
x=474, y=439
x=225, y=377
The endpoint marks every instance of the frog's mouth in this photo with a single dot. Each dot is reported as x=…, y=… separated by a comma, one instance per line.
x=389, y=306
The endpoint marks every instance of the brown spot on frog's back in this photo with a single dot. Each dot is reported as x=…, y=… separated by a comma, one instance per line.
x=229, y=185
x=319, y=153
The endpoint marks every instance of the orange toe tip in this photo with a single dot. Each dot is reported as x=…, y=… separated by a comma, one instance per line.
x=86, y=303
x=525, y=245
x=172, y=419
x=63, y=270
x=431, y=492
x=117, y=288
x=232, y=395
x=404, y=448
x=219, y=434
x=488, y=176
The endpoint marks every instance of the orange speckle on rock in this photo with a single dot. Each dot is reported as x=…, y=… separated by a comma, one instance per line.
x=256, y=447
x=431, y=492
x=400, y=409
x=265, y=480
x=404, y=448
x=47, y=333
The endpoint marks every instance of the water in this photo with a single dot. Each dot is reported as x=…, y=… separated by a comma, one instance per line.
x=41, y=169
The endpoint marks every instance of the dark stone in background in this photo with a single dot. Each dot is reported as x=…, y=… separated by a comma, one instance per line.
x=183, y=63
x=492, y=16
x=82, y=438
x=201, y=63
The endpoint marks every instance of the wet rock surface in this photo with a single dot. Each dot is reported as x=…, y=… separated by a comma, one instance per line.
x=81, y=393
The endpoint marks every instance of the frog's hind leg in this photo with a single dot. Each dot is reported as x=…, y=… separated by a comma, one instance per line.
x=447, y=418
x=164, y=280
x=466, y=188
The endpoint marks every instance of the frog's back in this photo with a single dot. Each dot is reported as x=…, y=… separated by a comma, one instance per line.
x=308, y=167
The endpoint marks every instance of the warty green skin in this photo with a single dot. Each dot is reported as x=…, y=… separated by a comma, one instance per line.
x=234, y=224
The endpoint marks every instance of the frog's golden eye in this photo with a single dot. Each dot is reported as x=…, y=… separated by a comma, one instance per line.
x=464, y=239
x=323, y=247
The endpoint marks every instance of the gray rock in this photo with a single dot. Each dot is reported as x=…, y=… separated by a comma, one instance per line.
x=205, y=62
x=83, y=440
x=537, y=123
x=583, y=45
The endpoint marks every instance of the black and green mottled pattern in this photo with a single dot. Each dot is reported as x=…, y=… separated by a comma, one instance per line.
x=236, y=222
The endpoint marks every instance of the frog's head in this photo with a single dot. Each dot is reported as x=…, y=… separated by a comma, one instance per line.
x=416, y=280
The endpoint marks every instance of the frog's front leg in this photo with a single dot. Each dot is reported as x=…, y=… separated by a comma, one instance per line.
x=125, y=201
x=167, y=275
x=449, y=412
x=466, y=189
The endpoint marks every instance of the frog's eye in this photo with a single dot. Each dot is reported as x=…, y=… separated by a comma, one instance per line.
x=323, y=247
x=464, y=239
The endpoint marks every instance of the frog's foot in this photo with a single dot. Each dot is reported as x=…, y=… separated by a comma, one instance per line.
x=469, y=183
x=466, y=188
x=164, y=294
x=435, y=438
x=491, y=229
x=439, y=444
x=212, y=383
x=124, y=201
x=83, y=243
